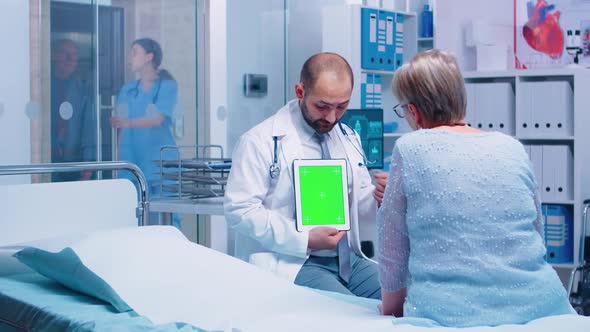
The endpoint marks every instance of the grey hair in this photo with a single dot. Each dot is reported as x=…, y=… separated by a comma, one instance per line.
x=432, y=81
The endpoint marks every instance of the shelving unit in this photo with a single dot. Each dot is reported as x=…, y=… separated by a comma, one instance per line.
x=346, y=39
x=549, y=111
x=342, y=33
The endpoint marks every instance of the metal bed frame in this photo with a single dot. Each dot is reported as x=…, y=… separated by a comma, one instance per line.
x=142, y=211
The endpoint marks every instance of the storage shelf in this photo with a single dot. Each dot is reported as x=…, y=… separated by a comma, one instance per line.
x=524, y=73
x=489, y=74
x=375, y=71
x=545, y=138
x=393, y=135
x=425, y=39
x=560, y=202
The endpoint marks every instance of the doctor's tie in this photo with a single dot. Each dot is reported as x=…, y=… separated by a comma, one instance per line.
x=344, y=267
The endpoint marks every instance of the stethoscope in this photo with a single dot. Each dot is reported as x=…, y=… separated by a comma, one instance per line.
x=135, y=90
x=275, y=170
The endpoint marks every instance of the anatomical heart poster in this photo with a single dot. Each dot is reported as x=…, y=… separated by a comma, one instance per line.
x=551, y=33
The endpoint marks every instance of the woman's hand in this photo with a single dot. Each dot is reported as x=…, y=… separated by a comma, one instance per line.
x=119, y=122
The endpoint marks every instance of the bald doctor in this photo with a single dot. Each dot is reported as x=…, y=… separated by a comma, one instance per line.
x=259, y=199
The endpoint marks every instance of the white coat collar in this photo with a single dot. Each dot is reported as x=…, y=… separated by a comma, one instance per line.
x=289, y=142
x=283, y=122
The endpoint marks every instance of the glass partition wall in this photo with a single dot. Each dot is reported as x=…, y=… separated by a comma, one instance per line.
x=99, y=80
x=110, y=80
x=93, y=69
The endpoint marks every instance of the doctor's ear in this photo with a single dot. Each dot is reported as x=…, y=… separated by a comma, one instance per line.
x=299, y=91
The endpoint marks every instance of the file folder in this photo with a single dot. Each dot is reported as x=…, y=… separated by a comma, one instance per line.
x=495, y=102
x=536, y=154
x=524, y=117
x=471, y=112
x=551, y=108
x=370, y=91
x=558, y=233
x=377, y=91
x=557, y=172
x=369, y=38
x=388, y=54
x=399, y=40
x=548, y=190
x=558, y=117
x=364, y=79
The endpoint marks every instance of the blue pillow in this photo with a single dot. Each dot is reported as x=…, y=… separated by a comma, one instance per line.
x=66, y=268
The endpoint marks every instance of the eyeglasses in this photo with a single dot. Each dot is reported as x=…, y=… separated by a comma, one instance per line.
x=400, y=109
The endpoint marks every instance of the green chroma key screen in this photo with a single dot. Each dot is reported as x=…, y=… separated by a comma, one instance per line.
x=322, y=200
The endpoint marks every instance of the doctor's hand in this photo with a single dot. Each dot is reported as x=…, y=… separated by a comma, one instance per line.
x=323, y=237
x=380, y=182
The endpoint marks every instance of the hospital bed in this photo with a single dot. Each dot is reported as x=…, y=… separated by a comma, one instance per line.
x=179, y=286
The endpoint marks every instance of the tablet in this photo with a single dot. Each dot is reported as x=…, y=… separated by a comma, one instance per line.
x=321, y=193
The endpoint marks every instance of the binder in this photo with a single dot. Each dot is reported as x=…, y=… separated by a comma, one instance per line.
x=497, y=107
x=552, y=108
x=544, y=103
x=524, y=117
x=471, y=112
x=559, y=115
x=527, y=149
x=558, y=170
x=369, y=27
x=558, y=233
x=548, y=189
x=377, y=91
x=364, y=90
x=388, y=53
x=505, y=110
x=485, y=101
x=370, y=91
x=536, y=154
x=399, y=40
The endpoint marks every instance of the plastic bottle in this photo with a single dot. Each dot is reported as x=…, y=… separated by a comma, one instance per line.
x=426, y=22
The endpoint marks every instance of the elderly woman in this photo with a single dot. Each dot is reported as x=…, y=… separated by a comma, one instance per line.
x=460, y=226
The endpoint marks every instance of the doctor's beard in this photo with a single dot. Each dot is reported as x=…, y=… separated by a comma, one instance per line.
x=321, y=126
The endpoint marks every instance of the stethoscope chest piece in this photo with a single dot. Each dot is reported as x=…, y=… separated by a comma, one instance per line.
x=274, y=171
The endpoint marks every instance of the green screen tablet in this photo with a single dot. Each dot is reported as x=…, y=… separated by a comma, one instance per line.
x=321, y=193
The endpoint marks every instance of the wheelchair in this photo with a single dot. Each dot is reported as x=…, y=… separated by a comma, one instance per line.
x=580, y=299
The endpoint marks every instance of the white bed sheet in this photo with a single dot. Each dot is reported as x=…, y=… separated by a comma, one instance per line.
x=166, y=278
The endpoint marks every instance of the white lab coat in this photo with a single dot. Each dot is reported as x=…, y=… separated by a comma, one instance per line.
x=262, y=210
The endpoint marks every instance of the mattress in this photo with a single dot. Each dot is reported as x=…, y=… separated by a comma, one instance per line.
x=32, y=302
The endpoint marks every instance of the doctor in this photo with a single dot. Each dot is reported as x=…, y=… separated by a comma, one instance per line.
x=259, y=198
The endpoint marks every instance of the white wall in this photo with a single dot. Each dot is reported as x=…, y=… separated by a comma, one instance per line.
x=451, y=17
x=255, y=44
x=304, y=34
x=15, y=146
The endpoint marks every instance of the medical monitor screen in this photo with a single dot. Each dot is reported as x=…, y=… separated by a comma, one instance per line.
x=368, y=124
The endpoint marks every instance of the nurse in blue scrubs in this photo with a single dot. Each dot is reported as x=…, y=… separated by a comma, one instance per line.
x=144, y=113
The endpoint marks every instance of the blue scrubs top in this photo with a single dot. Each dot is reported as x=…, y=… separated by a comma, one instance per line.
x=141, y=146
